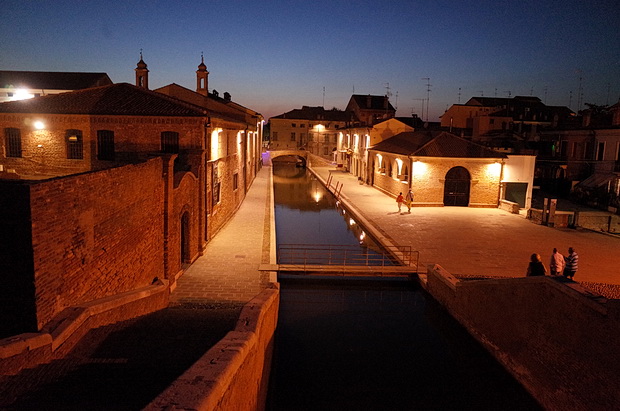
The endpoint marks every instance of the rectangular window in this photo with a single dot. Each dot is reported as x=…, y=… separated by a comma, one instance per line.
x=293, y=136
x=325, y=150
x=13, y=142
x=235, y=181
x=326, y=138
x=293, y=125
x=73, y=139
x=274, y=136
x=105, y=145
x=302, y=125
x=170, y=142
x=216, y=184
x=600, y=151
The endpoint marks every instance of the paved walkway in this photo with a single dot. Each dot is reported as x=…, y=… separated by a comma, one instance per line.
x=228, y=269
x=477, y=241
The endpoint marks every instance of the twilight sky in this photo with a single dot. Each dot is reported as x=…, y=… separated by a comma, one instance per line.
x=274, y=56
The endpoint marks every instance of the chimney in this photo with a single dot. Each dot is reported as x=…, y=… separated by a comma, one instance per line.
x=368, y=101
x=226, y=96
x=385, y=102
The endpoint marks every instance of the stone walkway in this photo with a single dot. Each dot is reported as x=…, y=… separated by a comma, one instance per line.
x=228, y=269
x=476, y=241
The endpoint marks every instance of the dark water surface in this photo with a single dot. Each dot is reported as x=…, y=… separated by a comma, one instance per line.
x=369, y=345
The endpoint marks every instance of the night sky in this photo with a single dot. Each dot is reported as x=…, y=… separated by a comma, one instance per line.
x=275, y=56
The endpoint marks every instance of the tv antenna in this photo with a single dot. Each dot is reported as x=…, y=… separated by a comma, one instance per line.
x=428, y=94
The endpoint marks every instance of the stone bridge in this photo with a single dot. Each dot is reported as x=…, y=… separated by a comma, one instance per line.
x=271, y=154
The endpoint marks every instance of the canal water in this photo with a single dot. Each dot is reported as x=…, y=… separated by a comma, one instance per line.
x=370, y=344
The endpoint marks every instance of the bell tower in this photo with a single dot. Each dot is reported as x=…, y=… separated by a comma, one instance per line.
x=142, y=74
x=202, y=77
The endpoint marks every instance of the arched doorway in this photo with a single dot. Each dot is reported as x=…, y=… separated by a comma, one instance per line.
x=456, y=187
x=185, y=252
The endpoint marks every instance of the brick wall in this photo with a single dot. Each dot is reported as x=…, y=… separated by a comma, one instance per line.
x=96, y=235
x=557, y=340
x=428, y=184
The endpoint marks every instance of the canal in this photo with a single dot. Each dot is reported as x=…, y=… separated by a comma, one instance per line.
x=369, y=344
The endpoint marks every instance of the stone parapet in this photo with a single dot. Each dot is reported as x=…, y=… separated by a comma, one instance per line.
x=558, y=339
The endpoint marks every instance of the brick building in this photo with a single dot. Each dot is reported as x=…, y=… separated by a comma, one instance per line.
x=443, y=169
x=107, y=189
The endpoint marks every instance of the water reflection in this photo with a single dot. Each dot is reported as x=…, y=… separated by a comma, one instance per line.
x=306, y=213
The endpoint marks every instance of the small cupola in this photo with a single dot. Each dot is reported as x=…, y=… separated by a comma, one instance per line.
x=142, y=74
x=202, y=77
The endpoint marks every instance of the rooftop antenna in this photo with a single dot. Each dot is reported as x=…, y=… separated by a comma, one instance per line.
x=481, y=93
x=459, y=95
x=428, y=94
x=570, y=99
x=545, y=89
x=608, y=89
x=532, y=91
x=323, y=96
x=495, y=92
x=396, y=102
x=580, y=92
x=509, y=93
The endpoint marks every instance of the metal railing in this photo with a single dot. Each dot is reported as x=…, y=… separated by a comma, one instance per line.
x=343, y=258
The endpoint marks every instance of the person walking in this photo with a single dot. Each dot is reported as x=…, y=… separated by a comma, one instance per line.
x=409, y=200
x=399, y=201
x=572, y=263
x=536, y=267
x=556, y=266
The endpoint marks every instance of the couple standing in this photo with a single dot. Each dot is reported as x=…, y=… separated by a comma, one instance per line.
x=566, y=266
x=408, y=199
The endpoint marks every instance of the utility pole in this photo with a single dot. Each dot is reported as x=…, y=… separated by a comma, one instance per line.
x=428, y=94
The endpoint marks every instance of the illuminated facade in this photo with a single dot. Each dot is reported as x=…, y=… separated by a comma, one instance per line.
x=108, y=189
x=443, y=169
x=309, y=128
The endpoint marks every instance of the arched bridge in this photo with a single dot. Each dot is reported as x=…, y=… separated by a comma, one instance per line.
x=271, y=154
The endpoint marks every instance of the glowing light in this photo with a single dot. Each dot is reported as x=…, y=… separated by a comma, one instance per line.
x=419, y=168
x=362, y=236
x=495, y=169
x=317, y=196
x=351, y=221
x=39, y=125
x=21, y=94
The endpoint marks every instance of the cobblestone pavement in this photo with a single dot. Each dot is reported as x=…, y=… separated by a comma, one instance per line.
x=478, y=241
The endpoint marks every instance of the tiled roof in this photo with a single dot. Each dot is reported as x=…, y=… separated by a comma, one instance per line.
x=51, y=80
x=376, y=102
x=434, y=144
x=115, y=99
x=317, y=114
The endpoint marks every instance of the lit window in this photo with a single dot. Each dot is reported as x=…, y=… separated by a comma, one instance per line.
x=73, y=139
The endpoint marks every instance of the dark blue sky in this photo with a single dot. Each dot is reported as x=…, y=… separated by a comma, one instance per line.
x=275, y=56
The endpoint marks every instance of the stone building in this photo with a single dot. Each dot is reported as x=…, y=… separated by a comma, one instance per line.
x=370, y=109
x=107, y=189
x=309, y=128
x=443, y=169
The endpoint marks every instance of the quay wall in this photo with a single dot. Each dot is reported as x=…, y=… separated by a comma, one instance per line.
x=233, y=375
x=559, y=340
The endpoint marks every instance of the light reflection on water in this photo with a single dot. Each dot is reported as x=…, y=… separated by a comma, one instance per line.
x=306, y=213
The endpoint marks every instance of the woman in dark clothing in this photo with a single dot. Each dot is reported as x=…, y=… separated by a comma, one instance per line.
x=536, y=266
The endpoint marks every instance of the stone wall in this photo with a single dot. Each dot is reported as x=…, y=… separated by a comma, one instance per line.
x=428, y=180
x=557, y=339
x=233, y=375
x=95, y=235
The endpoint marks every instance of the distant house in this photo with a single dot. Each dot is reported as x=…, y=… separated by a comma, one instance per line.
x=19, y=85
x=370, y=109
x=443, y=169
x=310, y=128
x=506, y=123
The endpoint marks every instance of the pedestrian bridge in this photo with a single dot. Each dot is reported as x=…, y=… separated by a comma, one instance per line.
x=271, y=154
